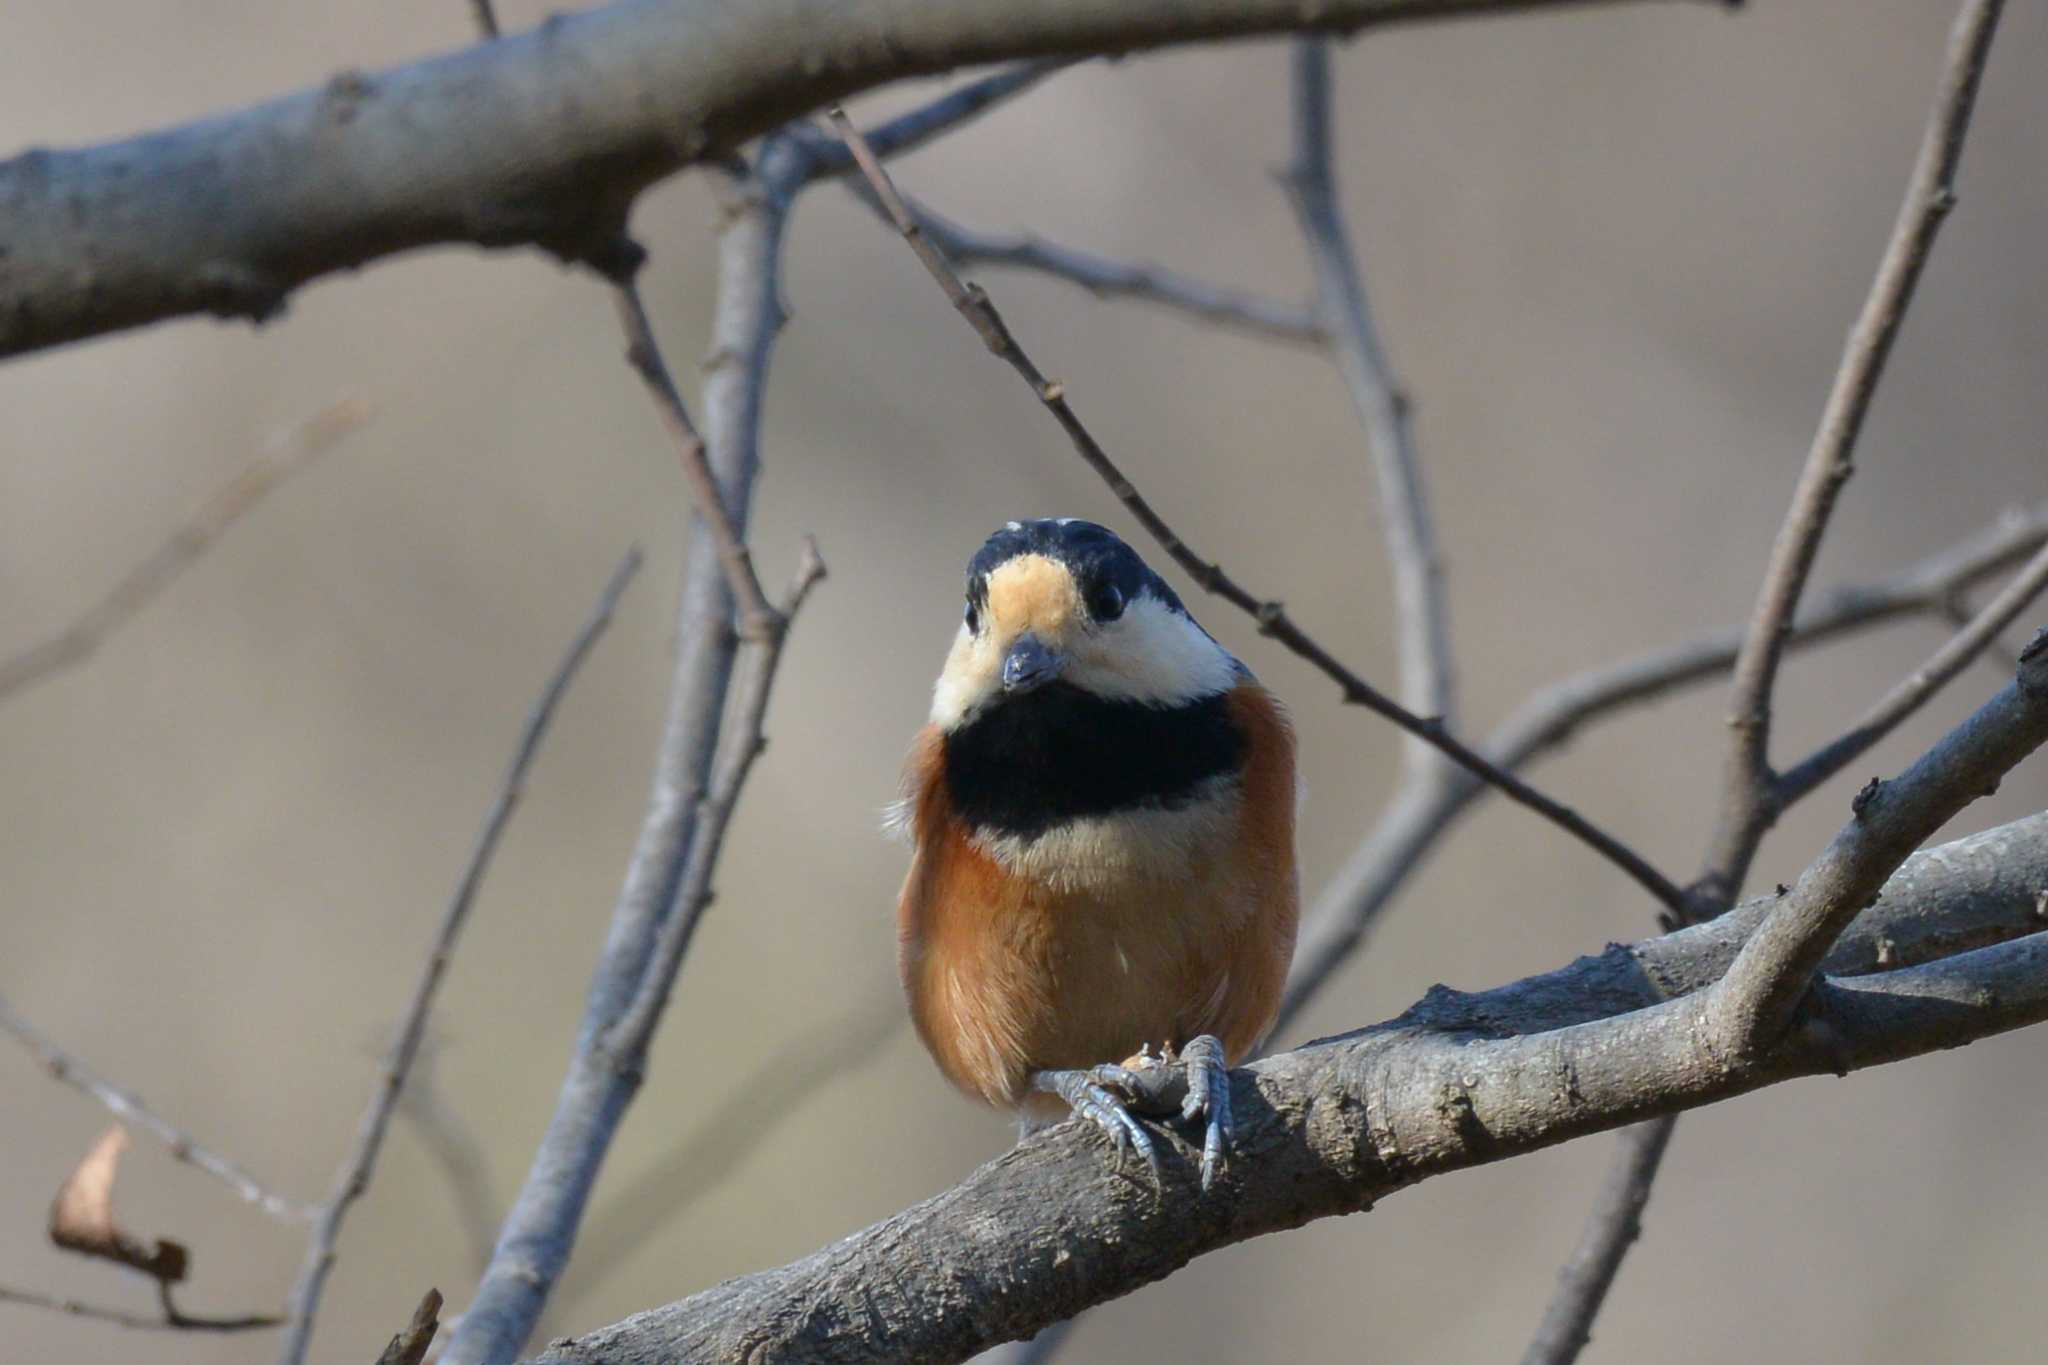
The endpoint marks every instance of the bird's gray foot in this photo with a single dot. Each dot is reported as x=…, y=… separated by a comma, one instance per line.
x=1208, y=1096
x=1087, y=1093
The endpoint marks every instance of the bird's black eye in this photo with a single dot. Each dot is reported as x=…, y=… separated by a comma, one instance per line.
x=1105, y=602
x=973, y=618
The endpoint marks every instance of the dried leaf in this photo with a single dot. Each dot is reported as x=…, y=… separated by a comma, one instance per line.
x=82, y=1217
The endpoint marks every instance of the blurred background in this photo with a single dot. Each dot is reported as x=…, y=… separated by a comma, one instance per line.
x=1614, y=253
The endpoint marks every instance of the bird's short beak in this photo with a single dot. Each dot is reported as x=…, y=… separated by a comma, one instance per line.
x=1030, y=665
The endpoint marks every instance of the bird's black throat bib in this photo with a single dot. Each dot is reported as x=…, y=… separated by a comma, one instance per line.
x=1027, y=764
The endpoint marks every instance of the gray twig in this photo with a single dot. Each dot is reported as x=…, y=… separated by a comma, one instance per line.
x=353, y=1177
x=973, y=303
x=1613, y=1226
x=130, y=1109
x=1752, y=795
x=1105, y=276
x=1422, y=611
x=288, y=453
x=170, y=1320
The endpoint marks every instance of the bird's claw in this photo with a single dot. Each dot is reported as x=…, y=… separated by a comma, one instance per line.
x=1087, y=1093
x=1208, y=1096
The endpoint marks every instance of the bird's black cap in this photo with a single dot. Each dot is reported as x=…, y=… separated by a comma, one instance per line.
x=1094, y=554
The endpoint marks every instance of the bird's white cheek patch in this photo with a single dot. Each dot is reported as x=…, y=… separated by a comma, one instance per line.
x=1155, y=655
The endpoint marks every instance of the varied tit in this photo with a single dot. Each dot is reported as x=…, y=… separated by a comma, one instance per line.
x=1102, y=809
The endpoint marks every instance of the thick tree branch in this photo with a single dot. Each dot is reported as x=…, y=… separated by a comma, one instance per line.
x=353, y=1178
x=539, y=138
x=1457, y=1081
x=973, y=304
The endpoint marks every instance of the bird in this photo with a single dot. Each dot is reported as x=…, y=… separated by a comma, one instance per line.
x=1101, y=810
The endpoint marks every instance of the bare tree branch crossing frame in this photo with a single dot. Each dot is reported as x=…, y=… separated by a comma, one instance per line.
x=542, y=138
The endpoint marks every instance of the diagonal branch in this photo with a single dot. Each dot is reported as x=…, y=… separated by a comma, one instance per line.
x=973, y=304
x=354, y=1176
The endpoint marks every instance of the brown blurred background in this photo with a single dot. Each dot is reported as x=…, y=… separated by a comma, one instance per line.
x=1614, y=253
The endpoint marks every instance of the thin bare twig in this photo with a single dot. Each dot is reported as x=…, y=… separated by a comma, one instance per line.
x=130, y=1109
x=973, y=303
x=354, y=1175
x=286, y=454
x=1611, y=1228
x=1105, y=276
x=1421, y=609
x=1906, y=698
x=758, y=620
x=170, y=1320
x=915, y=128
x=1752, y=797
x=486, y=17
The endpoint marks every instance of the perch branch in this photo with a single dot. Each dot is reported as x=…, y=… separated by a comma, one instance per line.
x=1459, y=1080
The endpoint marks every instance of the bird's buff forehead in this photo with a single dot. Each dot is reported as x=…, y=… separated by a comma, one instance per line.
x=1032, y=592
